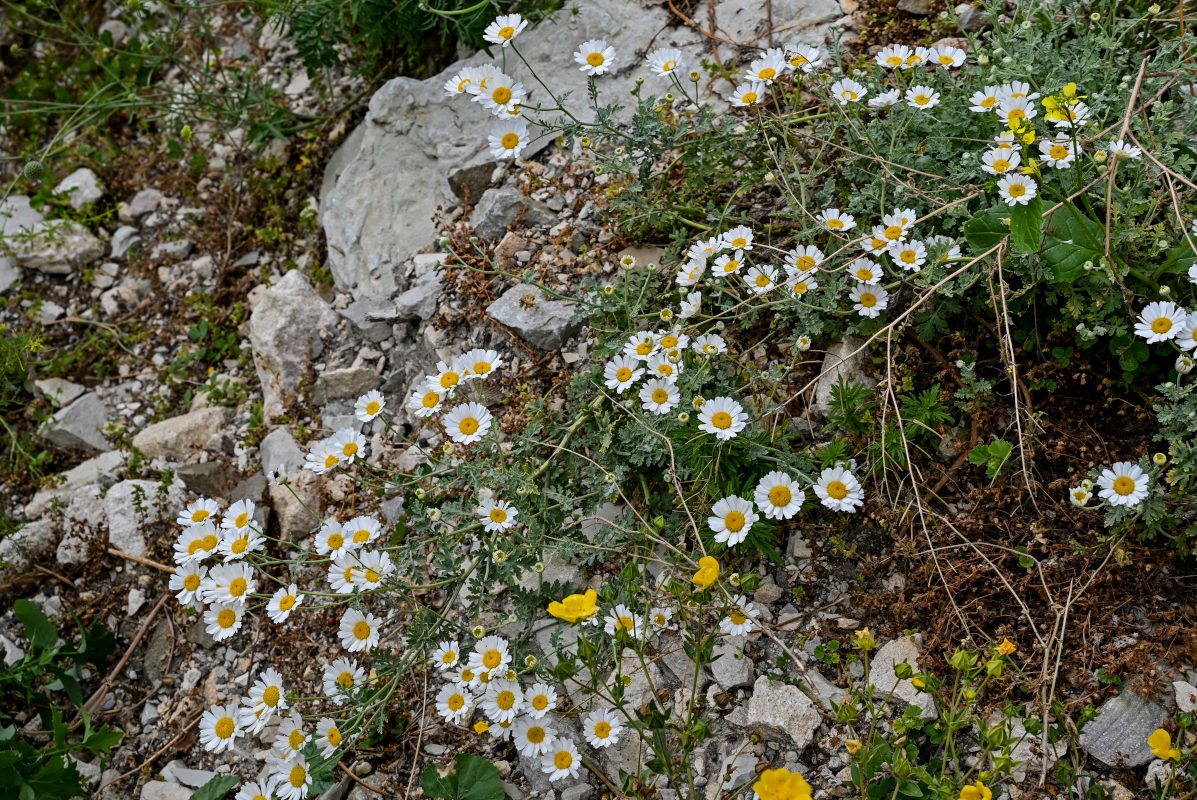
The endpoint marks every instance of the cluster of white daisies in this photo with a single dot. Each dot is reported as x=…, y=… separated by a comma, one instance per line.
x=467, y=422
x=778, y=496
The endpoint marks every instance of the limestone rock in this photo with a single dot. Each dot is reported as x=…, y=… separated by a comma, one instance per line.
x=284, y=330
x=363, y=314
x=179, y=437
x=542, y=322
x=498, y=208
x=144, y=203
x=294, y=519
x=419, y=302
x=165, y=790
x=56, y=248
x=970, y=18
x=1118, y=737
x=79, y=426
x=279, y=450
x=125, y=237
x=83, y=185
x=28, y=545
x=781, y=710
x=344, y=384
x=884, y=679
x=133, y=507
x=731, y=668
x=9, y=274
x=1186, y=695
x=98, y=470
x=841, y=362
x=61, y=392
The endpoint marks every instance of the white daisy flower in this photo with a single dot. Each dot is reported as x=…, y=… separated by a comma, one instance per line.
x=985, y=100
x=505, y=28
x=1122, y=149
x=909, y=255
x=468, y=423
x=446, y=655
x=236, y=544
x=741, y=619
x=350, y=444
x=747, y=94
x=479, y=363
x=778, y=496
x=595, y=57
x=187, y=581
x=766, y=68
x=496, y=515
x=219, y=728
x=1058, y=153
x=839, y=490
x=923, y=97
x=561, y=760
x=761, y=279
x=704, y=249
x=1123, y=484
x=328, y=737
x=691, y=305
x=342, y=678
x=531, y=736
x=1079, y=495
x=198, y=512
x=799, y=283
x=229, y=583
x=947, y=56
x=238, y=516
x=947, y=247
x=425, y=401
x=358, y=630
x=886, y=99
x=256, y=790
x=664, y=61
x=461, y=82
x=622, y=618
x=283, y=602
x=195, y=543
x=1013, y=110
x=660, y=617
x=1000, y=160
x=641, y=345
x=723, y=417
x=447, y=376
x=672, y=340
x=846, y=91
x=508, y=138
x=690, y=272
x=802, y=259
x=290, y=738
x=1017, y=190
x=917, y=57
x=375, y=565
x=344, y=574
x=729, y=263
x=540, y=699
x=731, y=519
x=491, y=655
x=1017, y=90
x=738, y=238
x=893, y=56
x=292, y=778
x=833, y=220
x=222, y=620
x=502, y=701
x=602, y=728
x=1160, y=321
x=803, y=57
x=331, y=539
x=323, y=457
x=1186, y=339
x=869, y=299
x=709, y=344
x=363, y=530
x=865, y=270
x=369, y=405
x=266, y=697
x=621, y=372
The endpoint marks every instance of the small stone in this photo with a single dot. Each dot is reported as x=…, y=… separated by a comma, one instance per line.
x=579, y=791
x=884, y=679
x=179, y=772
x=919, y=8
x=419, y=302
x=506, y=250
x=56, y=248
x=61, y=392
x=971, y=18
x=28, y=545
x=768, y=593
x=542, y=322
x=781, y=711
x=498, y=208
x=344, y=384
x=165, y=790
x=83, y=186
x=144, y=203
x=361, y=314
x=731, y=668
x=179, y=437
x=1118, y=737
x=114, y=28
x=79, y=426
x=1186, y=695
x=279, y=450
x=844, y=361
x=125, y=237
x=172, y=251
x=135, y=601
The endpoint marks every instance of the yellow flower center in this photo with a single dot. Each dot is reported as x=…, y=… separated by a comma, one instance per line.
x=731, y=265
x=780, y=496
x=226, y=618
x=835, y=224
x=540, y=702
x=1059, y=151
x=767, y=74
x=361, y=630
x=345, y=681
x=191, y=582
x=492, y=658
x=348, y=574
x=749, y=97
x=868, y=300
x=909, y=256
x=660, y=396
x=738, y=617
x=297, y=737
x=286, y=602
x=595, y=59
x=237, y=587
x=505, y=700
x=989, y=102
x=469, y=426
x=1018, y=190
x=331, y=461
x=669, y=66
x=848, y=94
x=644, y=348
x=199, y=515
x=1016, y=113
x=270, y=696
x=800, y=287
x=224, y=727
x=1161, y=325
x=1000, y=165
x=510, y=140
x=506, y=32
x=498, y=515
x=602, y=729
x=626, y=623
x=350, y=449
x=669, y=342
x=894, y=61
x=334, y=737
x=837, y=490
x=721, y=420
x=456, y=701
x=798, y=61
x=335, y=541
x=372, y=576
x=535, y=734
x=762, y=281
x=864, y=274
x=242, y=519
x=734, y=521
x=298, y=776
x=921, y=99
x=361, y=536
x=947, y=61
x=623, y=374
x=1124, y=485
x=564, y=759
x=449, y=657
x=450, y=379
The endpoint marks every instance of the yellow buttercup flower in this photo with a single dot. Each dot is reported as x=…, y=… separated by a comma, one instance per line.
x=576, y=607
x=977, y=791
x=1161, y=746
x=1007, y=647
x=781, y=784
x=708, y=572
x=853, y=746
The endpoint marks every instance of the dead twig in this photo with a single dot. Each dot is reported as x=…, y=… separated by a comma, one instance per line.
x=112, y=551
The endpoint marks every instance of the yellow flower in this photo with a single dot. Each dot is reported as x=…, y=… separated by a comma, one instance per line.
x=781, y=784
x=978, y=791
x=1161, y=746
x=865, y=640
x=1006, y=648
x=575, y=607
x=918, y=682
x=853, y=746
x=708, y=572
x=480, y=727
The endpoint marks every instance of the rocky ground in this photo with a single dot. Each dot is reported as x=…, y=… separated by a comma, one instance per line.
x=137, y=441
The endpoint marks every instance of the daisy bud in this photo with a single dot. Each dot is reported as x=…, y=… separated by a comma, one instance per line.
x=608, y=290
x=473, y=240
x=803, y=344
x=1095, y=16
x=666, y=314
x=530, y=661
x=970, y=694
x=499, y=556
x=669, y=98
x=683, y=417
x=538, y=567
x=478, y=632
x=694, y=75
x=1184, y=365
x=699, y=402
x=133, y=5
x=598, y=170
x=1165, y=290
x=449, y=449
x=1087, y=266
x=585, y=141
x=420, y=494
x=511, y=675
x=982, y=59
x=1026, y=25
x=674, y=355
x=611, y=478
x=444, y=242
x=1087, y=485
x=639, y=81
x=734, y=579
x=1153, y=9
x=1100, y=156
x=434, y=514
x=1160, y=459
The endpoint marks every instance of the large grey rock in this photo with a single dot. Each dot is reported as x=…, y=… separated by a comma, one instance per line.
x=542, y=322
x=28, y=545
x=745, y=22
x=284, y=330
x=779, y=710
x=884, y=679
x=98, y=470
x=165, y=790
x=731, y=668
x=363, y=314
x=17, y=216
x=56, y=248
x=59, y=391
x=79, y=426
x=419, y=302
x=498, y=208
x=379, y=211
x=83, y=186
x=179, y=437
x=1118, y=737
x=9, y=274
x=344, y=384
x=278, y=449
x=1186, y=695
x=841, y=362
x=133, y=507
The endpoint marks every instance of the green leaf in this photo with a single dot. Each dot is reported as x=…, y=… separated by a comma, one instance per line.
x=1072, y=240
x=40, y=630
x=216, y=788
x=471, y=778
x=986, y=229
x=910, y=789
x=1026, y=226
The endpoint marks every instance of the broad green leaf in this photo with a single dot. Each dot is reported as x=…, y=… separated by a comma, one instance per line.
x=471, y=778
x=986, y=229
x=1026, y=226
x=216, y=788
x=40, y=630
x=1072, y=240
